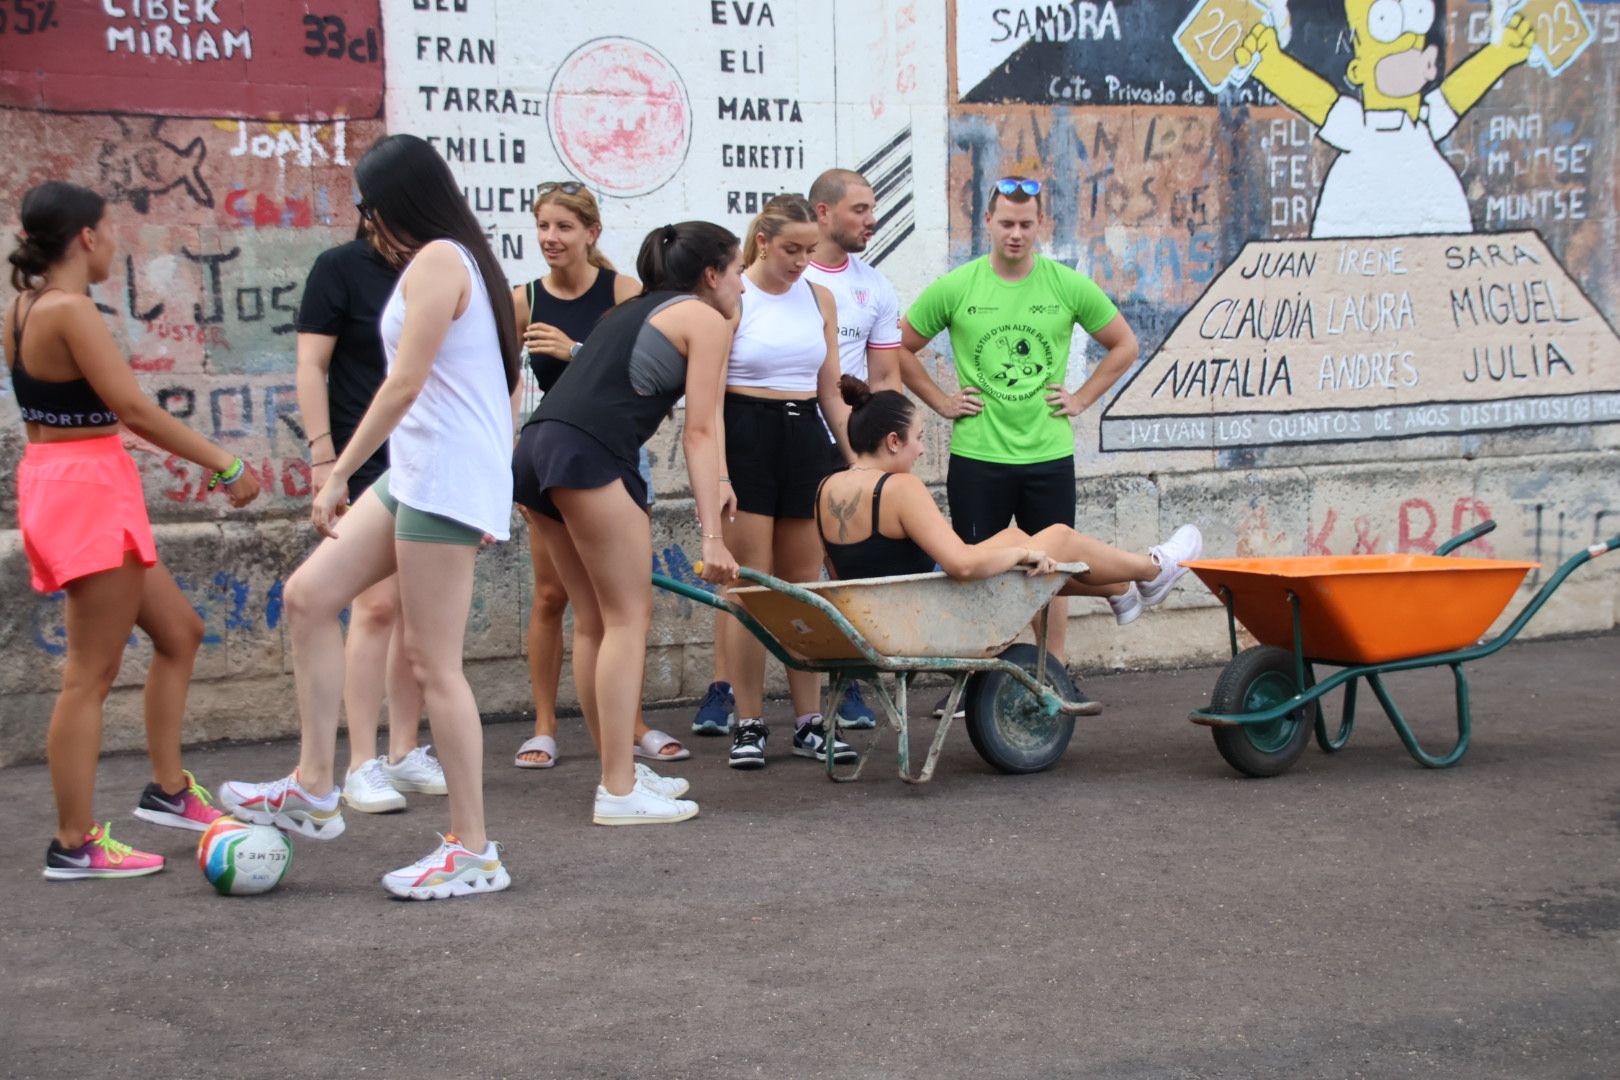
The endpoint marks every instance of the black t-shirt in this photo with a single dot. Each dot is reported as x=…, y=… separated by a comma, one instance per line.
x=344, y=298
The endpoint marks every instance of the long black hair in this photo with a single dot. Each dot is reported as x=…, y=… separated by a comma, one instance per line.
x=407, y=186
x=673, y=257
x=873, y=416
x=52, y=214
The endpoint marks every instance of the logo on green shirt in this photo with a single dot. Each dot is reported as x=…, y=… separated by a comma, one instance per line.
x=1013, y=363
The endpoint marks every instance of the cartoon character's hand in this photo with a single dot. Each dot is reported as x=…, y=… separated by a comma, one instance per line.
x=1517, y=38
x=1261, y=40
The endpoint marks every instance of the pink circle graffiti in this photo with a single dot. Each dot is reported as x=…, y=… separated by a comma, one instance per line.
x=619, y=116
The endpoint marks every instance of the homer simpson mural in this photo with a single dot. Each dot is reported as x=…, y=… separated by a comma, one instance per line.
x=1390, y=178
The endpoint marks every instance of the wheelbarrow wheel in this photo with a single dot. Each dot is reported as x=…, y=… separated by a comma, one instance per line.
x=1005, y=721
x=1256, y=679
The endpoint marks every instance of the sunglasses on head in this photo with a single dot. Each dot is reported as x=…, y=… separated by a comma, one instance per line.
x=1012, y=185
x=567, y=187
x=365, y=209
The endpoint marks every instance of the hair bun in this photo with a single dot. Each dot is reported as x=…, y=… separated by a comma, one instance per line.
x=854, y=392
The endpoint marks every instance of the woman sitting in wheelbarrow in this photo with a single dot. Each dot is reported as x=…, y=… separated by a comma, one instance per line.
x=879, y=520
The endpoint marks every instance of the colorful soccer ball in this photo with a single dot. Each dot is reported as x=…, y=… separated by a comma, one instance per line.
x=241, y=859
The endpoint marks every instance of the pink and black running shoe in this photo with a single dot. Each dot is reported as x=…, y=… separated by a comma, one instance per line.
x=191, y=808
x=100, y=856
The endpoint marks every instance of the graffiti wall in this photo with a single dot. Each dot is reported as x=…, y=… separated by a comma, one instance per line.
x=1371, y=250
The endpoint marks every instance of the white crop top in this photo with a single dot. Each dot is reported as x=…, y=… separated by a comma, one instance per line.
x=781, y=341
x=451, y=454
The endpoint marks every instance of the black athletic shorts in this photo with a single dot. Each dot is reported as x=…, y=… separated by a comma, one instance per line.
x=986, y=496
x=552, y=454
x=777, y=453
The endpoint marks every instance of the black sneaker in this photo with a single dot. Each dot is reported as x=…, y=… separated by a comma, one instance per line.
x=811, y=741
x=939, y=710
x=748, y=745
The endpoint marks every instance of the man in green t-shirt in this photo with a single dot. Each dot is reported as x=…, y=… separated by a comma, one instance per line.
x=1011, y=315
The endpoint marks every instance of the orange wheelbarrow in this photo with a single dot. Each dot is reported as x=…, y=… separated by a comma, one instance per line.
x=1367, y=615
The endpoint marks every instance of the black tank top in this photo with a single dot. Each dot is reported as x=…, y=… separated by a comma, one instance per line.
x=877, y=555
x=598, y=393
x=70, y=404
x=576, y=318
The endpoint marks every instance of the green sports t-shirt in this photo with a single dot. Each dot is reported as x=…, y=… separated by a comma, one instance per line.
x=1011, y=340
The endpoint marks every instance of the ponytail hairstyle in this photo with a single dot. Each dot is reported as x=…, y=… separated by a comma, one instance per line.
x=582, y=204
x=874, y=416
x=673, y=257
x=780, y=211
x=52, y=214
x=411, y=193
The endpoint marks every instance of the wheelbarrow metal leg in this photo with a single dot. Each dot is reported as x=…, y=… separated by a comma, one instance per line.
x=952, y=700
x=1409, y=740
x=835, y=694
x=1347, y=722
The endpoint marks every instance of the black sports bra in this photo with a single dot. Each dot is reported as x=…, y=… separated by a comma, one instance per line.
x=877, y=555
x=70, y=404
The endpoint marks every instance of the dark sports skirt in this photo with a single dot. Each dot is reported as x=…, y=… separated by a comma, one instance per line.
x=555, y=454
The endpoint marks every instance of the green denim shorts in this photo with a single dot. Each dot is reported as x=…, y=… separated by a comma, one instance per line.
x=421, y=526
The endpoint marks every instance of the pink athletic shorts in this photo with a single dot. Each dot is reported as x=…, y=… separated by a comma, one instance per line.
x=80, y=507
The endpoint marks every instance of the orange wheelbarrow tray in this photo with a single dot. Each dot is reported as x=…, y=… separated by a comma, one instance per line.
x=1368, y=615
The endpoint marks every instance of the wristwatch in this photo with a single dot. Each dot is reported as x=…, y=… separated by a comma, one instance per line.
x=573, y=350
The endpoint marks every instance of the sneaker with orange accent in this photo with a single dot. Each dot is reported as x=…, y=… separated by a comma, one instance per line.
x=452, y=870
x=100, y=856
x=285, y=804
x=190, y=808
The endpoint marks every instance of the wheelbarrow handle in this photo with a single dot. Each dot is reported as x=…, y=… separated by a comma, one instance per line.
x=1605, y=546
x=1468, y=537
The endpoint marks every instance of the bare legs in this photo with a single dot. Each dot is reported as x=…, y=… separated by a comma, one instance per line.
x=545, y=635
x=791, y=549
x=373, y=656
x=176, y=631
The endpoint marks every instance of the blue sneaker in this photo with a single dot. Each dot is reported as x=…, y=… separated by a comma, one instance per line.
x=717, y=712
x=853, y=712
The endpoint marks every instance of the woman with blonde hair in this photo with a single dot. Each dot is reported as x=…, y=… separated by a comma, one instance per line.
x=555, y=313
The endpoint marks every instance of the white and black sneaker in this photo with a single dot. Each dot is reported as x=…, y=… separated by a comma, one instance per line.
x=811, y=741
x=748, y=745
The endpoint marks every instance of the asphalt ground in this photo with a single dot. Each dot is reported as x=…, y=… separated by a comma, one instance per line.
x=1137, y=911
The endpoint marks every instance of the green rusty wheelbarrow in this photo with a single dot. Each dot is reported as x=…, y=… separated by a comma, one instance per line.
x=1368, y=615
x=1020, y=703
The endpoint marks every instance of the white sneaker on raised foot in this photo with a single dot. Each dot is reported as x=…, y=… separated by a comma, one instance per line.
x=1127, y=605
x=643, y=806
x=416, y=771
x=451, y=870
x=285, y=804
x=1184, y=545
x=670, y=787
x=367, y=789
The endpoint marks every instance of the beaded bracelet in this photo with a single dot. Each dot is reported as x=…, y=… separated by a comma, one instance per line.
x=229, y=476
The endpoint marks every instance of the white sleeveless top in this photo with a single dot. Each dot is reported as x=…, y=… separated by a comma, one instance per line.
x=780, y=342
x=451, y=454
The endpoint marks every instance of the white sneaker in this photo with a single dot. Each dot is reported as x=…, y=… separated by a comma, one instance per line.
x=643, y=806
x=367, y=789
x=285, y=804
x=1185, y=544
x=670, y=787
x=451, y=870
x=1127, y=605
x=416, y=771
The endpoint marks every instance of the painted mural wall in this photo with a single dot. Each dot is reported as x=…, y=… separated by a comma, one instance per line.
x=1369, y=247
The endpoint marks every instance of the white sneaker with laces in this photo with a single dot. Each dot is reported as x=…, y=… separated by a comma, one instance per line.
x=367, y=789
x=1127, y=605
x=452, y=869
x=1185, y=544
x=416, y=771
x=285, y=804
x=670, y=787
x=643, y=806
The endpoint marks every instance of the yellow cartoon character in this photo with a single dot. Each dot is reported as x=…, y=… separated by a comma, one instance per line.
x=1390, y=178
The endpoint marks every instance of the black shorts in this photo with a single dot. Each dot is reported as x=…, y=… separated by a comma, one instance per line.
x=777, y=453
x=552, y=454
x=986, y=496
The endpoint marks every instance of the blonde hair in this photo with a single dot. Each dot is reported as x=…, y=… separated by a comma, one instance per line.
x=782, y=210
x=582, y=204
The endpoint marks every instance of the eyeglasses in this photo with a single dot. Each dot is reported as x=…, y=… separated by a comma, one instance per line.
x=366, y=212
x=567, y=187
x=1012, y=185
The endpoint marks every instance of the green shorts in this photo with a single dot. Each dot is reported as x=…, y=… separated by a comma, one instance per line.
x=421, y=526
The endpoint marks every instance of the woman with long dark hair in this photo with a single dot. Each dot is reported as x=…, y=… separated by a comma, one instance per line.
x=557, y=312
x=878, y=519
x=83, y=520
x=445, y=409
x=575, y=469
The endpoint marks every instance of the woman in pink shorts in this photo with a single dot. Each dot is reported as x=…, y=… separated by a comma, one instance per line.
x=84, y=526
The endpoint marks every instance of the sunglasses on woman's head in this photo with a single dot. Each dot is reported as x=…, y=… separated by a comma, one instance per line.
x=365, y=210
x=567, y=187
x=1012, y=185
